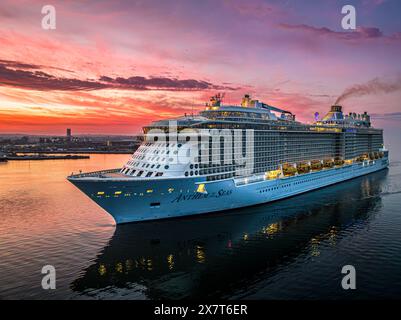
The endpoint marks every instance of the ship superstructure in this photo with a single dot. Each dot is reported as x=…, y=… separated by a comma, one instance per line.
x=231, y=156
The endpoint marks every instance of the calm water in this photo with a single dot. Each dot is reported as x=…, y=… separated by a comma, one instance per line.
x=292, y=249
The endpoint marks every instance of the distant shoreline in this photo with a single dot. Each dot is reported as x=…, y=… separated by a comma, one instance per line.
x=76, y=152
x=30, y=157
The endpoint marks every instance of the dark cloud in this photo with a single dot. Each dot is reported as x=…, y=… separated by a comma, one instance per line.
x=29, y=76
x=16, y=64
x=358, y=34
x=141, y=83
x=39, y=80
x=27, y=66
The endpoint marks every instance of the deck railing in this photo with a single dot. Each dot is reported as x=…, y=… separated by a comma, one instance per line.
x=98, y=174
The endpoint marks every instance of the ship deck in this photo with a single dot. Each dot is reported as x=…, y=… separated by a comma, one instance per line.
x=112, y=175
x=103, y=174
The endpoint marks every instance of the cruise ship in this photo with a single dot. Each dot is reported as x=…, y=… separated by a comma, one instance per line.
x=233, y=156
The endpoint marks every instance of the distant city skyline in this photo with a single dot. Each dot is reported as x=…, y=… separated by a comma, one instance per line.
x=112, y=67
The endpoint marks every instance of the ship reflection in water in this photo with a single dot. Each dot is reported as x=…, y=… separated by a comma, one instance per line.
x=247, y=253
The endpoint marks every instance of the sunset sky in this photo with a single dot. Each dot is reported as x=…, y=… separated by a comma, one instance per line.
x=114, y=66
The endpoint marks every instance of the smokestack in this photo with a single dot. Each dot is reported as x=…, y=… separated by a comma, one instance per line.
x=336, y=108
x=374, y=86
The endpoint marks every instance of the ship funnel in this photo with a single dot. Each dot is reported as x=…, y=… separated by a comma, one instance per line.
x=334, y=114
x=336, y=108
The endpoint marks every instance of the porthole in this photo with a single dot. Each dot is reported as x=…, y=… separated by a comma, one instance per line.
x=166, y=167
x=186, y=173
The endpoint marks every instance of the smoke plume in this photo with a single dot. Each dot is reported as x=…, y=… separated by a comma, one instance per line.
x=373, y=86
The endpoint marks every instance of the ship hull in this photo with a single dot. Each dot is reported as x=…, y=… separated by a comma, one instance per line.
x=132, y=200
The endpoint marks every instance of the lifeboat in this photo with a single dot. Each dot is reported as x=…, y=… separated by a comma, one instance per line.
x=328, y=163
x=303, y=167
x=338, y=162
x=362, y=157
x=289, y=169
x=316, y=165
x=274, y=174
x=381, y=154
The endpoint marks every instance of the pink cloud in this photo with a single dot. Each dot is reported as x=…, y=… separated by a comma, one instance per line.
x=120, y=48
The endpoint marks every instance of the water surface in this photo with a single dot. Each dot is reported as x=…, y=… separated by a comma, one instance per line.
x=291, y=249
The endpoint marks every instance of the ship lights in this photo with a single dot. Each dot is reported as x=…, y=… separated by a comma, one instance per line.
x=102, y=270
x=170, y=261
x=201, y=188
